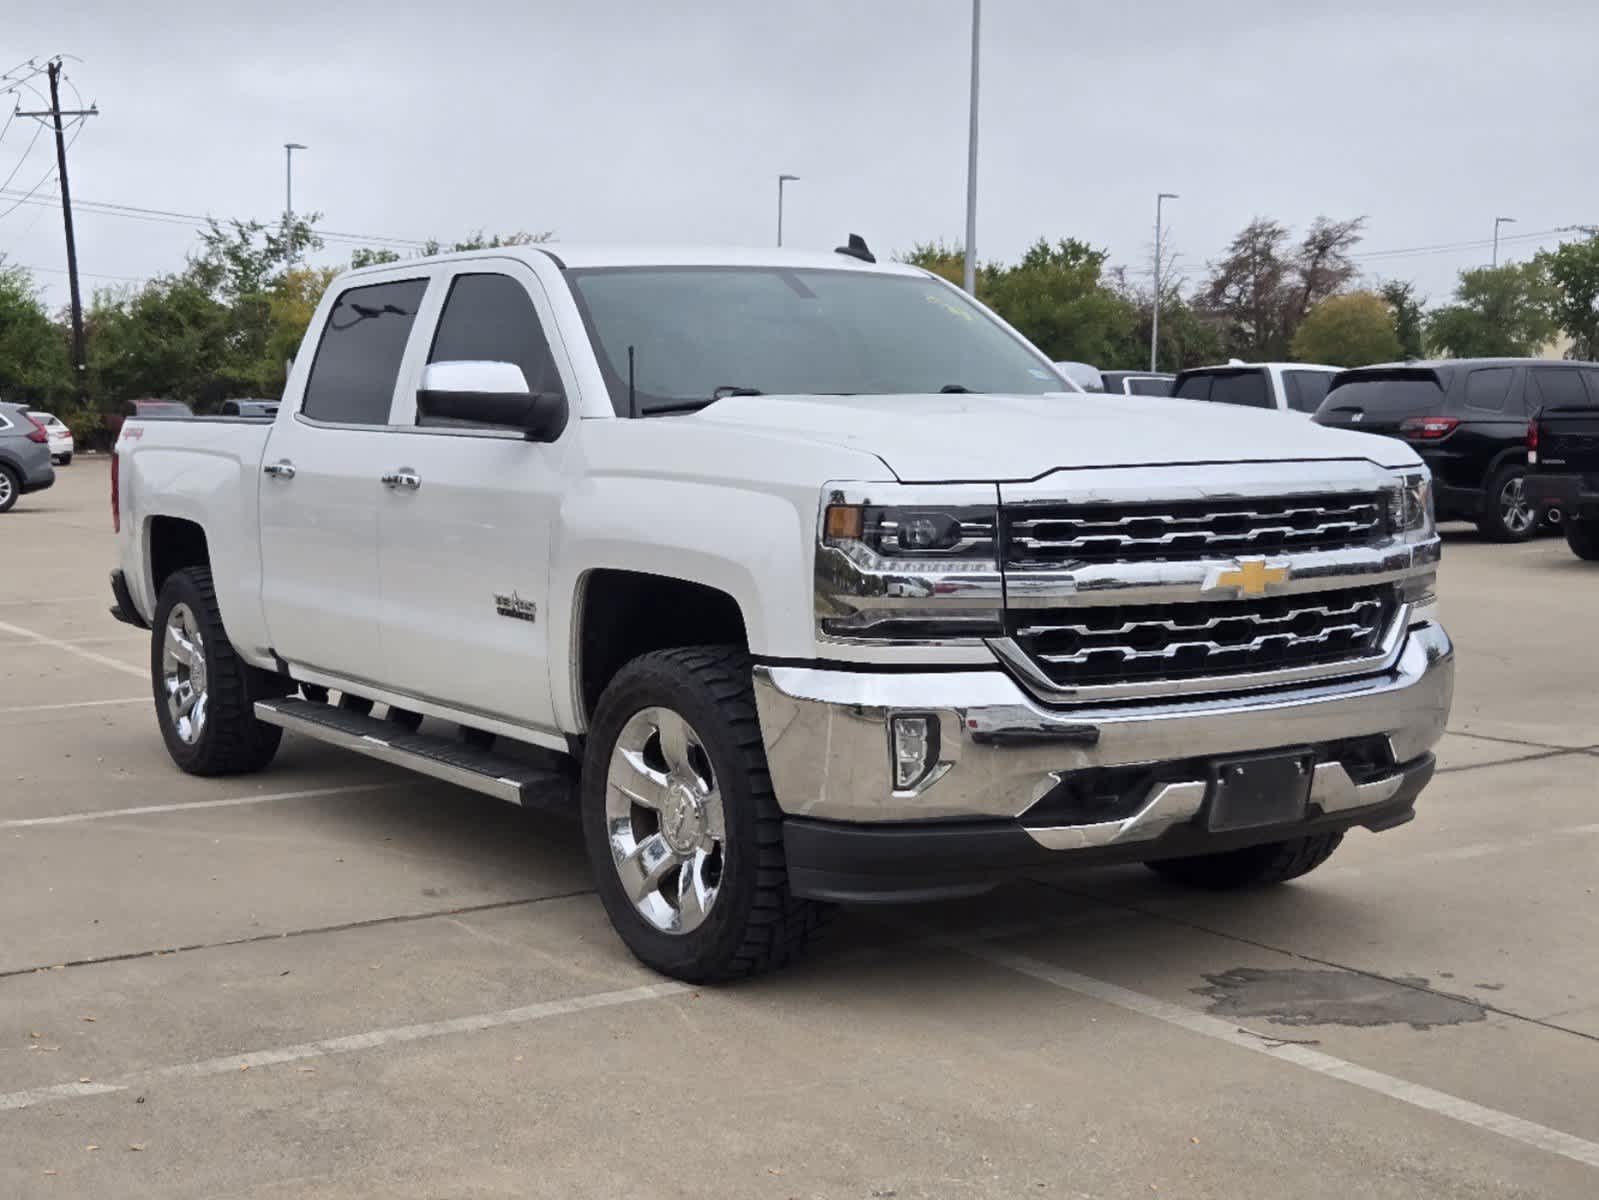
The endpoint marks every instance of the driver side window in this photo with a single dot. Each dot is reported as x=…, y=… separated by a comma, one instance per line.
x=491, y=318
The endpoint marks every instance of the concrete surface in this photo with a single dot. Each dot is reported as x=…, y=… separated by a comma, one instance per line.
x=334, y=979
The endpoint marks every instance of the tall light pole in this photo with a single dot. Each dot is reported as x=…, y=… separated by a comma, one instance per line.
x=781, y=180
x=971, y=162
x=1154, y=324
x=288, y=194
x=1498, y=221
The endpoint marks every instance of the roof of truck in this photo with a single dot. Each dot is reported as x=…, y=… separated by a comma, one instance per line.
x=580, y=256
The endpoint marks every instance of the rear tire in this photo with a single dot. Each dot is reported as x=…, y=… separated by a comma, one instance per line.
x=205, y=693
x=1507, y=516
x=1253, y=866
x=10, y=489
x=721, y=909
x=1583, y=538
x=66, y=460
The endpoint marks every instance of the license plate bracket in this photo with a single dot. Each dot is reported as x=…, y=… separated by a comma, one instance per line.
x=1258, y=790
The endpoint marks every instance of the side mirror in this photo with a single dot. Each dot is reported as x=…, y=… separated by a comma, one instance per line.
x=489, y=393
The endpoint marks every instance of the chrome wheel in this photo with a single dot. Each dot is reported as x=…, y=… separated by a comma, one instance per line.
x=664, y=820
x=183, y=673
x=1514, y=511
x=5, y=488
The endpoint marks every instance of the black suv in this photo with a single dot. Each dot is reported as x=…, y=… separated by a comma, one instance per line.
x=1467, y=418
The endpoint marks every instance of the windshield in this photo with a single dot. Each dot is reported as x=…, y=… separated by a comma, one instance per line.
x=698, y=333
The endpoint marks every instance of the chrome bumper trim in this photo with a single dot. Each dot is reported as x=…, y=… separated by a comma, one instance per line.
x=1332, y=788
x=827, y=745
x=1171, y=803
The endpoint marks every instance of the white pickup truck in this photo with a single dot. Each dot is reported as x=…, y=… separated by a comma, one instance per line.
x=805, y=577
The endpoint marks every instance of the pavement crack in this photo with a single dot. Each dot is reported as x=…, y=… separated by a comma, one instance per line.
x=1491, y=737
x=1507, y=762
x=1396, y=981
x=254, y=939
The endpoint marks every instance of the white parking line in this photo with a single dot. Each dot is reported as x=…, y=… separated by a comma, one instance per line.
x=235, y=802
x=1529, y=1133
x=40, y=639
x=29, y=708
x=233, y=1063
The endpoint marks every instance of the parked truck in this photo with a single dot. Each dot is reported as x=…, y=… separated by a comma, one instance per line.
x=806, y=577
x=1563, y=458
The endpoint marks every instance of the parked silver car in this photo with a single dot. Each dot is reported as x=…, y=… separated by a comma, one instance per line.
x=24, y=456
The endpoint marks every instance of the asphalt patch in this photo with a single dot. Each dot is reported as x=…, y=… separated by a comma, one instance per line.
x=1302, y=997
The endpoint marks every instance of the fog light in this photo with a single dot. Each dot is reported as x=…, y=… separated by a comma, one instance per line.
x=914, y=747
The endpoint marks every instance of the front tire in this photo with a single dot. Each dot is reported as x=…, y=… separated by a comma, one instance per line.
x=205, y=693
x=1253, y=866
x=1583, y=538
x=1507, y=515
x=682, y=828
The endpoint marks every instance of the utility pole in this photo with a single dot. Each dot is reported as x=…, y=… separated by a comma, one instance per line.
x=79, y=365
x=971, y=162
x=288, y=194
x=1498, y=221
x=781, y=180
x=1154, y=307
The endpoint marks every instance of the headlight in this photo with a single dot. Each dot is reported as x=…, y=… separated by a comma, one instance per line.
x=917, y=569
x=1412, y=504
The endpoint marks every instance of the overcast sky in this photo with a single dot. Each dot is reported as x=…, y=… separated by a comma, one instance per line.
x=637, y=121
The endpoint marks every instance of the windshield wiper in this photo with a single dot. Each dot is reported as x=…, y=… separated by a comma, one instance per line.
x=724, y=391
x=953, y=387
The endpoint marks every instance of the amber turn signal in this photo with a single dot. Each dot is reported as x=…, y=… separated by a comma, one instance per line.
x=844, y=522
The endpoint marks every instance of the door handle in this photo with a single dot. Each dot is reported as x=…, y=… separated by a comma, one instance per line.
x=282, y=469
x=403, y=478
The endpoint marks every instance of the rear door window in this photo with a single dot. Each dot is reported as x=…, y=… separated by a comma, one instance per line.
x=1149, y=387
x=1194, y=387
x=358, y=356
x=1306, y=389
x=1556, y=387
x=1248, y=389
x=491, y=318
x=1488, y=389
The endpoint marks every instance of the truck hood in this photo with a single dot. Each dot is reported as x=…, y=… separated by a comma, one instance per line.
x=1000, y=438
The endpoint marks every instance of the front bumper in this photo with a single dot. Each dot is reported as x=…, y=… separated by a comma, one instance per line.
x=1000, y=752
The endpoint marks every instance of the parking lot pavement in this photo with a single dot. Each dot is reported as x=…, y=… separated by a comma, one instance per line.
x=336, y=979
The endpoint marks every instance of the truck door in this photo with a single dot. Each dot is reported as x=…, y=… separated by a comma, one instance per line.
x=320, y=485
x=465, y=529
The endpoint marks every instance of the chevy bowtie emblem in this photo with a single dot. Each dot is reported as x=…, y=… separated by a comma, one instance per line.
x=1252, y=577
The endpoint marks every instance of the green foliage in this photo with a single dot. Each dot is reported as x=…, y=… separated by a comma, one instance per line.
x=1057, y=299
x=1497, y=311
x=1409, y=316
x=34, y=363
x=369, y=257
x=1573, y=271
x=1351, y=330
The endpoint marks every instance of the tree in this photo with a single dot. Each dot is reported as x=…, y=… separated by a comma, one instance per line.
x=1055, y=296
x=947, y=262
x=1497, y=311
x=366, y=256
x=33, y=349
x=1573, y=271
x=1261, y=289
x=1347, y=331
x=1408, y=314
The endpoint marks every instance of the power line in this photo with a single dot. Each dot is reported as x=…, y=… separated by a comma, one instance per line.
x=24, y=157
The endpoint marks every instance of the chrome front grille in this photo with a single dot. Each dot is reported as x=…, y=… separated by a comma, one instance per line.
x=1050, y=534
x=1095, y=646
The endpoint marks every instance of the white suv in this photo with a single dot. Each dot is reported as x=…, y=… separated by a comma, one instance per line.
x=1287, y=387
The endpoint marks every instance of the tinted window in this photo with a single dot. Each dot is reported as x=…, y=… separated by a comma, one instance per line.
x=697, y=331
x=491, y=318
x=1488, y=389
x=1556, y=388
x=1306, y=389
x=1390, y=397
x=1590, y=376
x=1193, y=387
x=1149, y=387
x=1246, y=388
x=358, y=357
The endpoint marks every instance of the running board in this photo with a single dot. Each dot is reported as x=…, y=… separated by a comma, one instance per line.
x=497, y=775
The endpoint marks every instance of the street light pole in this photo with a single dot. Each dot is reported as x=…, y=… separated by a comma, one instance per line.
x=288, y=194
x=781, y=180
x=1498, y=221
x=1154, y=323
x=971, y=162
